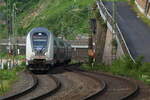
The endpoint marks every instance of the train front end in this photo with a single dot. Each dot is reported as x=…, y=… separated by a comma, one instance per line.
x=38, y=54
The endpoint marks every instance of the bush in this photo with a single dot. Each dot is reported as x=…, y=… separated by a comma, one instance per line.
x=125, y=67
x=8, y=77
x=132, y=2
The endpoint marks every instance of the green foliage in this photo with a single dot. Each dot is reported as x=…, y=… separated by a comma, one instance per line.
x=64, y=17
x=125, y=67
x=114, y=43
x=3, y=54
x=2, y=20
x=5, y=66
x=99, y=18
x=142, y=16
x=20, y=57
x=8, y=77
x=132, y=2
x=95, y=67
x=19, y=67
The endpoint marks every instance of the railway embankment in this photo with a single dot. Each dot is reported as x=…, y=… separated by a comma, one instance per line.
x=67, y=82
x=8, y=78
x=137, y=73
x=124, y=67
x=141, y=8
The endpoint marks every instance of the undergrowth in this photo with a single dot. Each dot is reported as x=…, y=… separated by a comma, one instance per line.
x=65, y=17
x=139, y=14
x=124, y=67
x=8, y=77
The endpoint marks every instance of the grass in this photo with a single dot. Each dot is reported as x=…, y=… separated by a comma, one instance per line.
x=124, y=67
x=3, y=27
x=64, y=17
x=4, y=55
x=8, y=78
x=20, y=57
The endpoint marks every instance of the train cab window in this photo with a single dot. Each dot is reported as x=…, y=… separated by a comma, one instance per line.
x=40, y=41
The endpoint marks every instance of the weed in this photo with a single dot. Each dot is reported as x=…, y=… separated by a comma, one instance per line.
x=7, y=78
x=125, y=67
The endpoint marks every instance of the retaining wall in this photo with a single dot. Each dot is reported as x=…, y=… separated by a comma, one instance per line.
x=141, y=5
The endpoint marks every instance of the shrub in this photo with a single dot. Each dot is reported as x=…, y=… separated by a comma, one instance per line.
x=125, y=67
x=7, y=77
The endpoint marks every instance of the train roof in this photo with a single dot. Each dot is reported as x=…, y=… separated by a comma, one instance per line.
x=40, y=29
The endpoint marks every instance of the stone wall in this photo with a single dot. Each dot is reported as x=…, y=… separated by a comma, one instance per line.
x=143, y=6
x=111, y=52
x=107, y=56
x=141, y=3
x=99, y=38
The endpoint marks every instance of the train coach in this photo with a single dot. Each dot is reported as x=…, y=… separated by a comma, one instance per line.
x=44, y=49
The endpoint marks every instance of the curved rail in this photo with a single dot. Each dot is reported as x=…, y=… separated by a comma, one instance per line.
x=100, y=81
x=134, y=91
x=134, y=85
x=58, y=86
x=26, y=91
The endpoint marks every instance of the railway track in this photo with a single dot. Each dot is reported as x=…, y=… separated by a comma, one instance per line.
x=24, y=91
x=118, y=88
x=71, y=83
x=60, y=86
x=92, y=95
x=44, y=85
x=52, y=89
x=76, y=86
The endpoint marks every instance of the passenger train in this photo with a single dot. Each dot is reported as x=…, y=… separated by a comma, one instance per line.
x=44, y=49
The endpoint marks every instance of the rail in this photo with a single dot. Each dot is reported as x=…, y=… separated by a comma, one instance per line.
x=92, y=95
x=105, y=84
x=23, y=92
x=51, y=92
x=108, y=17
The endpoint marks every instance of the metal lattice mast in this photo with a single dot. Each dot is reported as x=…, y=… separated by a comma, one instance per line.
x=8, y=24
x=11, y=6
x=114, y=17
x=114, y=27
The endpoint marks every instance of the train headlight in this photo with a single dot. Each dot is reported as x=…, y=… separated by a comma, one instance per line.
x=33, y=53
x=45, y=54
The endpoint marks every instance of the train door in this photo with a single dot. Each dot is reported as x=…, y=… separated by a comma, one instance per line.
x=55, y=51
x=69, y=52
x=61, y=50
x=66, y=51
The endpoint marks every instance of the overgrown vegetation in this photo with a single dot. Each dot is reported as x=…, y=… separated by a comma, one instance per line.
x=142, y=16
x=65, y=17
x=99, y=18
x=8, y=77
x=125, y=67
x=5, y=55
x=132, y=2
x=2, y=21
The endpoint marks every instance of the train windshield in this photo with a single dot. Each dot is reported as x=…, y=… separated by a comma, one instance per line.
x=40, y=41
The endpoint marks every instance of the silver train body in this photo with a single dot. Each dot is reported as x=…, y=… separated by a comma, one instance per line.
x=44, y=50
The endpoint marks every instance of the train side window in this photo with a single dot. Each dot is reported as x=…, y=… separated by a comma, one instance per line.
x=55, y=44
x=61, y=43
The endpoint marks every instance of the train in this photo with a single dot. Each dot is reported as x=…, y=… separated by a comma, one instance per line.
x=44, y=50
